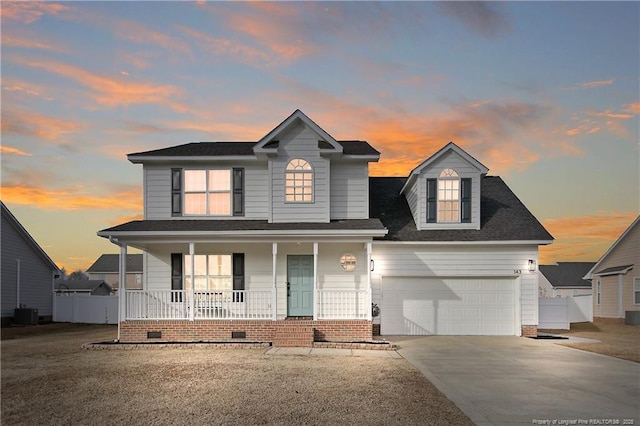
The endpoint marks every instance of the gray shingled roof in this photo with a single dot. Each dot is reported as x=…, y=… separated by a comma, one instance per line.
x=503, y=216
x=217, y=149
x=109, y=263
x=188, y=225
x=79, y=285
x=567, y=274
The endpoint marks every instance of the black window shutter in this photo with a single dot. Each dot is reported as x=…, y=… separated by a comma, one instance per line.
x=432, y=200
x=238, y=192
x=238, y=276
x=465, y=205
x=176, y=192
x=176, y=275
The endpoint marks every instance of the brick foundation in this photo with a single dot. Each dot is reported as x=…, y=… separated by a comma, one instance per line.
x=375, y=329
x=529, y=330
x=280, y=333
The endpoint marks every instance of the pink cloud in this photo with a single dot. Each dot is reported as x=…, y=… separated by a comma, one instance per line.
x=111, y=91
x=30, y=11
x=37, y=125
x=9, y=150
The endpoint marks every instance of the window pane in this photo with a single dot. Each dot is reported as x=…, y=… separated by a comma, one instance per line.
x=220, y=264
x=195, y=204
x=220, y=203
x=219, y=180
x=220, y=283
x=201, y=283
x=195, y=180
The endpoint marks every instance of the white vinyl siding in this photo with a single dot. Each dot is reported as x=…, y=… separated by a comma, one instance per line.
x=349, y=190
x=482, y=261
x=415, y=204
x=157, y=190
x=300, y=142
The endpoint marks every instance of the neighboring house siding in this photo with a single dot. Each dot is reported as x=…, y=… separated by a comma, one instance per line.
x=545, y=289
x=349, y=190
x=134, y=279
x=464, y=170
x=36, y=277
x=300, y=142
x=627, y=252
x=459, y=261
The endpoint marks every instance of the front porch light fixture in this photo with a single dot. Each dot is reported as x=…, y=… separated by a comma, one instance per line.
x=372, y=265
x=532, y=265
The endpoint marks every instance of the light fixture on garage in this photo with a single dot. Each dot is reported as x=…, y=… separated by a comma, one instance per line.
x=372, y=265
x=532, y=265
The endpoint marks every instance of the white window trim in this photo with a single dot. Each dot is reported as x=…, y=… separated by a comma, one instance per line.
x=187, y=276
x=441, y=178
x=207, y=192
x=311, y=171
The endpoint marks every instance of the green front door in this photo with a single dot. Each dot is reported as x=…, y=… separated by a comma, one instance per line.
x=299, y=286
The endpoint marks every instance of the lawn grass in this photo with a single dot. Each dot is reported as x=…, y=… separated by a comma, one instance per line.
x=48, y=379
x=616, y=338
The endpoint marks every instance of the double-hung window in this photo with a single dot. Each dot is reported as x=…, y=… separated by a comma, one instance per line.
x=636, y=291
x=449, y=198
x=211, y=272
x=207, y=192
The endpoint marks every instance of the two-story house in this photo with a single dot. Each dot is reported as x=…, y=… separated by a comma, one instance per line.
x=288, y=240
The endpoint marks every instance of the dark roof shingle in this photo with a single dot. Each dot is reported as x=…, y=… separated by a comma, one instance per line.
x=221, y=149
x=109, y=263
x=567, y=274
x=503, y=216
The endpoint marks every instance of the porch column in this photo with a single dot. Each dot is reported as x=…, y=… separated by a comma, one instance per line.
x=315, y=281
x=192, y=259
x=274, y=296
x=369, y=292
x=122, y=286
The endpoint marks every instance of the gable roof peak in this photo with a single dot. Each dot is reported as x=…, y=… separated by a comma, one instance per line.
x=294, y=118
x=451, y=146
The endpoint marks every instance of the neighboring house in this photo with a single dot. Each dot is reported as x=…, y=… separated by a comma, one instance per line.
x=27, y=271
x=564, y=279
x=615, y=277
x=92, y=287
x=106, y=267
x=288, y=240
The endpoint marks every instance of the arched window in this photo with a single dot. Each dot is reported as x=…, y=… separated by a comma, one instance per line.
x=298, y=181
x=448, y=196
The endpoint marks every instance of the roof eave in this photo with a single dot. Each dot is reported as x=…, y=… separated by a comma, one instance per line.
x=188, y=158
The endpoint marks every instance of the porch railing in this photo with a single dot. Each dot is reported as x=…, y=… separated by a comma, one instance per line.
x=343, y=304
x=237, y=305
x=176, y=304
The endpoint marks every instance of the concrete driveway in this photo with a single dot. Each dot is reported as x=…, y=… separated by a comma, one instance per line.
x=511, y=380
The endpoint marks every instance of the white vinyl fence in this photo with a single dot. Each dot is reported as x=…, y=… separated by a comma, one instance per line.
x=559, y=312
x=84, y=308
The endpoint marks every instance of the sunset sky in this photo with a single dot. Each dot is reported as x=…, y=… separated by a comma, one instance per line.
x=546, y=95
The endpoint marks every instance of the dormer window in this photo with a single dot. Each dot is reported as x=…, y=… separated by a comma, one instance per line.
x=298, y=181
x=449, y=198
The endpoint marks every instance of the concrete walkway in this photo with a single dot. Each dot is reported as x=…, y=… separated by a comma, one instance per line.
x=333, y=352
x=516, y=380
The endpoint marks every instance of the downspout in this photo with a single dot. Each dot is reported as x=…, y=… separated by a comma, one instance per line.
x=18, y=283
x=315, y=281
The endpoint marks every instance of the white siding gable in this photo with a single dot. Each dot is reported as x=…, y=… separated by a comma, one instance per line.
x=300, y=142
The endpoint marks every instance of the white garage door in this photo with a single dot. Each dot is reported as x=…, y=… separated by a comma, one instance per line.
x=448, y=306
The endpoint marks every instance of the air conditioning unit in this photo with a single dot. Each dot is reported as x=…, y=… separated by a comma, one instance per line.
x=25, y=316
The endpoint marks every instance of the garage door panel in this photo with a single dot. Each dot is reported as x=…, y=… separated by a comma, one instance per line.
x=429, y=306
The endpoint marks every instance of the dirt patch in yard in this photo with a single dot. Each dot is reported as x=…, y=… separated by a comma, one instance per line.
x=616, y=338
x=48, y=379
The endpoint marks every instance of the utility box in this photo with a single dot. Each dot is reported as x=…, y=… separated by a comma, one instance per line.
x=25, y=316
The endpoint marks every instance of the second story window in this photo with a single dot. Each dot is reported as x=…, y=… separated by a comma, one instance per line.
x=298, y=182
x=207, y=192
x=448, y=196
